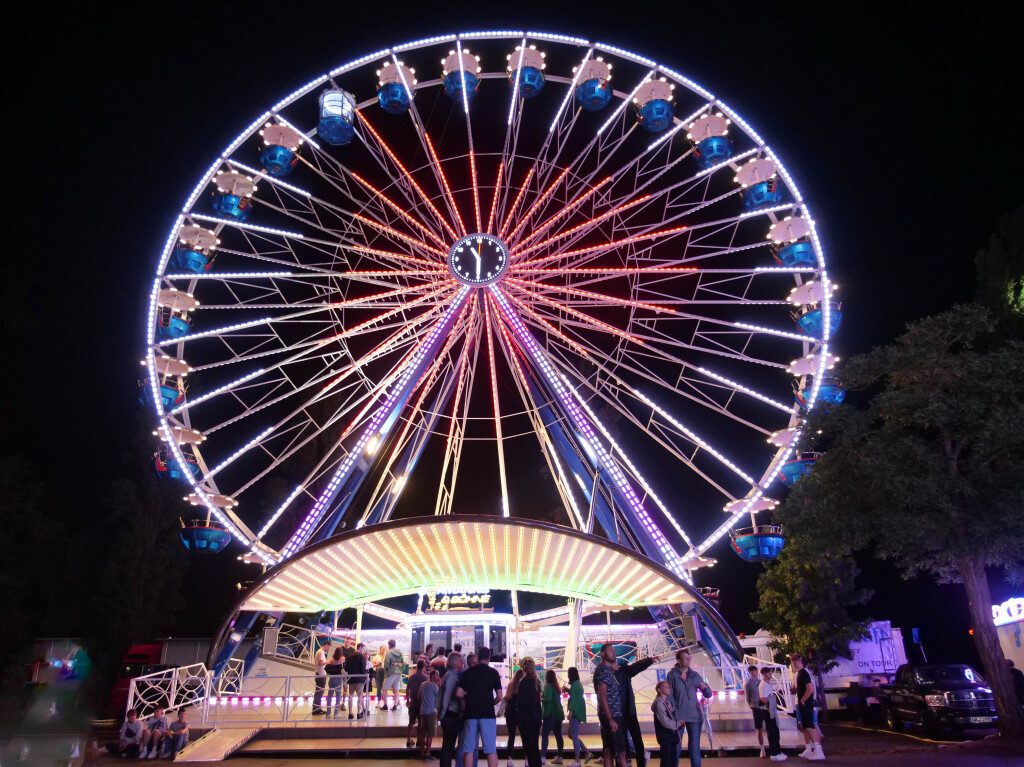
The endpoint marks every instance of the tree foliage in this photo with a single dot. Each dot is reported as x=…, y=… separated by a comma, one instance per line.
x=930, y=474
x=1000, y=270
x=803, y=603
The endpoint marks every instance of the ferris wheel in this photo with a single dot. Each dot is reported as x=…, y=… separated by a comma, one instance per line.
x=455, y=258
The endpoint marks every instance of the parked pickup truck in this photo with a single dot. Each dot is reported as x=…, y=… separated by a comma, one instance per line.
x=938, y=696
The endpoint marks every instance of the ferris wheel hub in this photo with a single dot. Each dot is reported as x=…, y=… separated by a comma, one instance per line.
x=478, y=260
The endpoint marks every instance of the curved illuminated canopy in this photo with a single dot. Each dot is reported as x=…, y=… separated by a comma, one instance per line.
x=408, y=556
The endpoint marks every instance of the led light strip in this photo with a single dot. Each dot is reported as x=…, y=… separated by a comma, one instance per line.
x=583, y=426
x=399, y=389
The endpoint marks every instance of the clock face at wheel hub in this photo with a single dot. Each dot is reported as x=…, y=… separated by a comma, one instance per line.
x=478, y=259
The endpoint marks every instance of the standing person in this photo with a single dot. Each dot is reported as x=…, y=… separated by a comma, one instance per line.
x=457, y=649
x=530, y=712
x=320, y=678
x=394, y=663
x=624, y=676
x=512, y=711
x=412, y=700
x=1018, y=681
x=440, y=661
x=177, y=734
x=666, y=726
x=472, y=659
x=449, y=708
x=480, y=690
x=805, y=709
x=428, y=713
x=335, y=668
x=577, y=715
x=685, y=683
x=425, y=656
x=609, y=708
x=751, y=690
x=770, y=706
x=355, y=670
x=551, y=710
x=377, y=661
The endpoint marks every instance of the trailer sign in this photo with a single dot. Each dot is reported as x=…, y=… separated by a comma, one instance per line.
x=1010, y=611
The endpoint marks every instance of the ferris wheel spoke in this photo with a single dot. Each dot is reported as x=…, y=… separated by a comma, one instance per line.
x=562, y=485
x=435, y=164
x=407, y=175
x=456, y=437
x=560, y=214
x=607, y=364
x=491, y=329
x=516, y=201
x=344, y=408
x=439, y=378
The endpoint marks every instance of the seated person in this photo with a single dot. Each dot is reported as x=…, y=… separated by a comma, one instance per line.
x=129, y=739
x=154, y=732
x=177, y=734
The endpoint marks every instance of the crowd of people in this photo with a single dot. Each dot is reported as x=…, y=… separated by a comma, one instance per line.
x=462, y=696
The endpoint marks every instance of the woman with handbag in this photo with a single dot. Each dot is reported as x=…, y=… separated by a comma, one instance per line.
x=551, y=710
x=530, y=712
x=509, y=706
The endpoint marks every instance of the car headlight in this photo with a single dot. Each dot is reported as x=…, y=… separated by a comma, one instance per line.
x=935, y=700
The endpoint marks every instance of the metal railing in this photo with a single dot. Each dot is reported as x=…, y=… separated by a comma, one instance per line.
x=292, y=700
x=171, y=689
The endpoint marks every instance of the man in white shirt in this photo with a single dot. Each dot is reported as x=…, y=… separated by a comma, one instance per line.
x=320, y=678
x=770, y=717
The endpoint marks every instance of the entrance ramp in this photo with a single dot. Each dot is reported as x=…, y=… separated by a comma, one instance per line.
x=218, y=744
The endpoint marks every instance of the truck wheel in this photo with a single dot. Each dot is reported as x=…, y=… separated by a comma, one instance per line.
x=892, y=720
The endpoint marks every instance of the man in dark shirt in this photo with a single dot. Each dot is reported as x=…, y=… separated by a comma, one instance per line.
x=1018, y=681
x=355, y=669
x=805, y=698
x=412, y=700
x=609, y=707
x=480, y=691
x=624, y=676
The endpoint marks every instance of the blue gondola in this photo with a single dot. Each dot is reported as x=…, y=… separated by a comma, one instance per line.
x=811, y=320
x=393, y=98
x=655, y=115
x=796, y=468
x=593, y=94
x=204, y=536
x=531, y=81
x=762, y=194
x=167, y=466
x=712, y=151
x=171, y=324
x=830, y=392
x=278, y=160
x=232, y=205
x=171, y=394
x=458, y=81
x=192, y=260
x=337, y=114
x=759, y=543
x=796, y=255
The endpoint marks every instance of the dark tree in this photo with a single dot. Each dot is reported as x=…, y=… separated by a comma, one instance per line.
x=930, y=474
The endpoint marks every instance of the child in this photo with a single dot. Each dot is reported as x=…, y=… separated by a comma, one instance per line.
x=428, y=712
x=129, y=739
x=177, y=734
x=156, y=729
x=666, y=726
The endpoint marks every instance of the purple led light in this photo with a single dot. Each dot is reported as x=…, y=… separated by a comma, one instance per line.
x=583, y=426
x=397, y=394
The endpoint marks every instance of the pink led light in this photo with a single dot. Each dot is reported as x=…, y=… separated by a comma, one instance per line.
x=398, y=209
x=589, y=294
x=396, y=233
x=613, y=244
x=476, y=190
x=494, y=200
x=584, y=225
x=564, y=211
x=444, y=181
x=408, y=175
x=547, y=192
x=585, y=317
x=515, y=203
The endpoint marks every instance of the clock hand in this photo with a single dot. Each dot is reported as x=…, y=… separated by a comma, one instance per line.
x=477, y=257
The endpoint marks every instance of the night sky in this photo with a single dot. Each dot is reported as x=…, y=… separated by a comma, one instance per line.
x=902, y=131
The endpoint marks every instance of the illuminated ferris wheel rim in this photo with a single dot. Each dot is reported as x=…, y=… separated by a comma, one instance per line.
x=819, y=362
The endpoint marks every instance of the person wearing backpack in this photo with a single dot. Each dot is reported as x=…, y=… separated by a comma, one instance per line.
x=394, y=664
x=769, y=697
